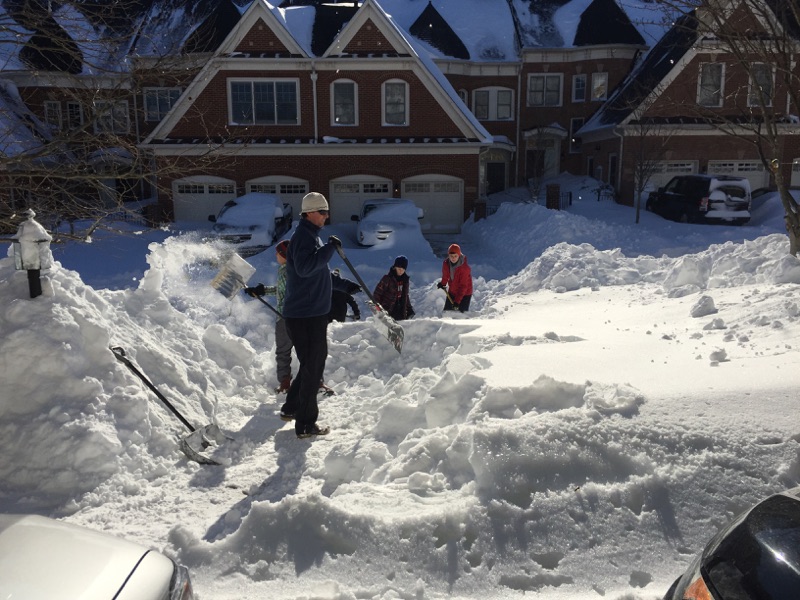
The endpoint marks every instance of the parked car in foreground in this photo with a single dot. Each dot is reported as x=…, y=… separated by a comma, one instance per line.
x=380, y=218
x=43, y=559
x=252, y=223
x=755, y=557
x=703, y=199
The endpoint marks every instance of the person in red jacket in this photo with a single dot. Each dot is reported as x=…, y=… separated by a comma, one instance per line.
x=456, y=280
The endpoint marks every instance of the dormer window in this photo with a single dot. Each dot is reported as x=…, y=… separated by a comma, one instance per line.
x=761, y=85
x=709, y=86
x=263, y=102
x=395, y=102
x=344, y=102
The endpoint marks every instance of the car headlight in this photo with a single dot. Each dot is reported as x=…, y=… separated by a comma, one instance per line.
x=180, y=588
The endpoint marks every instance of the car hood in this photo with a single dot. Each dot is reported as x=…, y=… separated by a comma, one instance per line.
x=42, y=558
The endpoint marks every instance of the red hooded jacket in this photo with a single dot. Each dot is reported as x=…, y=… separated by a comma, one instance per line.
x=461, y=283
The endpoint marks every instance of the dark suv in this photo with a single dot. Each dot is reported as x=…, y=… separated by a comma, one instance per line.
x=703, y=199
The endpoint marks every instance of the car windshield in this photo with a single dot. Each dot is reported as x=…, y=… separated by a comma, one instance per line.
x=760, y=557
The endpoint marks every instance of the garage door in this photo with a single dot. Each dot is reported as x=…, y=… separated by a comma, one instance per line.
x=194, y=198
x=442, y=199
x=753, y=170
x=666, y=170
x=347, y=194
x=289, y=189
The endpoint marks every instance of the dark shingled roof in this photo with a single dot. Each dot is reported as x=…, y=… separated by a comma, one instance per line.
x=651, y=71
x=329, y=20
x=431, y=27
x=604, y=22
x=213, y=30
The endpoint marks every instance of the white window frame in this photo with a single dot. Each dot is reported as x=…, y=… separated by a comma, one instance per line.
x=112, y=116
x=701, y=84
x=752, y=97
x=494, y=107
x=52, y=114
x=385, y=106
x=334, y=103
x=545, y=77
x=275, y=121
x=165, y=98
x=575, y=87
x=74, y=109
x=599, y=89
x=464, y=95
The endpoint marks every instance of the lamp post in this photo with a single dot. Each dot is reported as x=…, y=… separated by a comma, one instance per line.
x=32, y=251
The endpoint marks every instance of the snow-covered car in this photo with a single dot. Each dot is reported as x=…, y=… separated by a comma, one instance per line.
x=42, y=559
x=755, y=557
x=252, y=223
x=703, y=199
x=382, y=217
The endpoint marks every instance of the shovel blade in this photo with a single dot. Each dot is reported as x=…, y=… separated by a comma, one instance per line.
x=387, y=326
x=198, y=444
x=233, y=276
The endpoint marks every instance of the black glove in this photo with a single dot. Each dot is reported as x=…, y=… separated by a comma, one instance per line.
x=455, y=306
x=355, y=289
x=335, y=241
x=356, y=316
x=440, y=285
x=258, y=290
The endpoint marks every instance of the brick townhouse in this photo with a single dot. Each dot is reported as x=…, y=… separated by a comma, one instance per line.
x=441, y=102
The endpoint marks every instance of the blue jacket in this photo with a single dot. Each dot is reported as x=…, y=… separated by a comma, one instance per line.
x=308, y=278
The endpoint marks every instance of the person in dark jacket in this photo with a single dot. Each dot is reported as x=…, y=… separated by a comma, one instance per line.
x=342, y=297
x=305, y=309
x=456, y=280
x=392, y=291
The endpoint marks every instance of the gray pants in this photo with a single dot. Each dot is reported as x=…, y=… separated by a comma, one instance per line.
x=283, y=350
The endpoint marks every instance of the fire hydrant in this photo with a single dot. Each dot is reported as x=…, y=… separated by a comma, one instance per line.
x=32, y=251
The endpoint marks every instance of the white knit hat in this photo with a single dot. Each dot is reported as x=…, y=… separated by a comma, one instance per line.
x=312, y=202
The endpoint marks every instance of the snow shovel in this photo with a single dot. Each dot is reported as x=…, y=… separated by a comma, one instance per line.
x=387, y=325
x=232, y=277
x=198, y=440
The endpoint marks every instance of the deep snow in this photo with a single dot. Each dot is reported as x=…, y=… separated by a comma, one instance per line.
x=617, y=394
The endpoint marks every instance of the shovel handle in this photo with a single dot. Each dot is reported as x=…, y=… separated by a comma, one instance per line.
x=269, y=306
x=356, y=275
x=120, y=354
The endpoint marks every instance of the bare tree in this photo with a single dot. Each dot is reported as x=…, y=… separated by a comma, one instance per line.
x=647, y=142
x=76, y=100
x=759, y=39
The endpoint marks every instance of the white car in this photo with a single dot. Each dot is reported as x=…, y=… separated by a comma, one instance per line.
x=382, y=217
x=43, y=559
x=252, y=223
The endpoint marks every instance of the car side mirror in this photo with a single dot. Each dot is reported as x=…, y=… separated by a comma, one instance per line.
x=354, y=218
x=212, y=218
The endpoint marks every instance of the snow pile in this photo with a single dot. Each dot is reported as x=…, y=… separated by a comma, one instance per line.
x=578, y=435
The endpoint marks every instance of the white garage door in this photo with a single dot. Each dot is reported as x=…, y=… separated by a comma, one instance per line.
x=347, y=194
x=289, y=189
x=442, y=199
x=666, y=170
x=753, y=170
x=194, y=198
